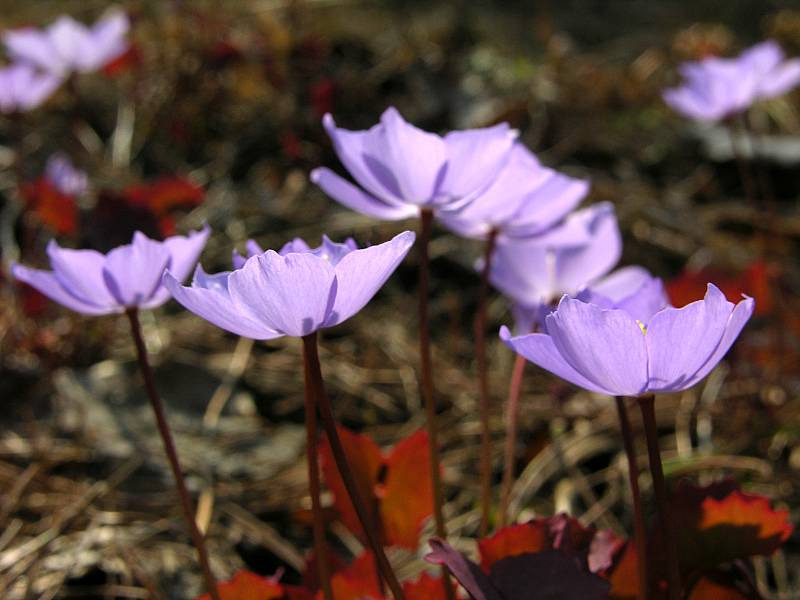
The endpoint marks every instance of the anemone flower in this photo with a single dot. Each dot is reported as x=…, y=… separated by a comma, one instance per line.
x=296, y=292
x=67, y=46
x=127, y=279
x=718, y=88
x=23, y=88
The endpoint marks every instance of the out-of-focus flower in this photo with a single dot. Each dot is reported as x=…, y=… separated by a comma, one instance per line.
x=526, y=199
x=68, y=46
x=128, y=276
x=402, y=169
x=632, y=289
x=64, y=176
x=716, y=88
x=295, y=293
x=23, y=88
x=535, y=272
x=608, y=351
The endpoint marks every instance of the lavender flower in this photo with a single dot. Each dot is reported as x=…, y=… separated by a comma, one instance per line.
x=632, y=289
x=294, y=293
x=526, y=199
x=717, y=88
x=610, y=352
x=23, y=88
x=129, y=276
x=401, y=168
x=66, y=45
x=64, y=176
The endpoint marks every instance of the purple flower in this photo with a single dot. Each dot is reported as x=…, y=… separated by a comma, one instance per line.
x=526, y=199
x=64, y=176
x=537, y=271
x=632, y=289
x=610, y=352
x=67, y=45
x=401, y=168
x=294, y=293
x=23, y=88
x=716, y=88
x=93, y=283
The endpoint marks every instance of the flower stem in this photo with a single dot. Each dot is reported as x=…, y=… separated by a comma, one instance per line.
x=311, y=356
x=483, y=386
x=639, y=530
x=426, y=375
x=647, y=405
x=312, y=460
x=171, y=452
x=512, y=429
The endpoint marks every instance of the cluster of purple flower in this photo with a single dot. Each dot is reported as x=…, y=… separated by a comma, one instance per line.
x=44, y=58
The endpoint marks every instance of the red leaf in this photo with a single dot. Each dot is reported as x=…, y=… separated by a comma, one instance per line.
x=128, y=60
x=357, y=582
x=753, y=281
x=624, y=577
x=407, y=495
x=399, y=505
x=427, y=587
x=707, y=589
x=165, y=194
x=52, y=207
x=249, y=586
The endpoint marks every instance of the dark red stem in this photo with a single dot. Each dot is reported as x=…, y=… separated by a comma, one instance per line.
x=171, y=452
x=483, y=387
x=639, y=530
x=512, y=430
x=311, y=356
x=647, y=405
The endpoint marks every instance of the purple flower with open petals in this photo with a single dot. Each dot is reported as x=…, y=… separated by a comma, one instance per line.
x=526, y=199
x=23, y=88
x=128, y=276
x=66, y=45
x=401, y=168
x=610, y=352
x=717, y=88
x=295, y=292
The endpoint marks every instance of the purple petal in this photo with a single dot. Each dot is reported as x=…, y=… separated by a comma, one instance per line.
x=292, y=294
x=633, y=290
x=346, y=194
x=646, y=301
x=413, y=158
x=604, y=346
x=783, y=79
x=33, y=46
x=68, y=37
x=524, y=272
x=681, y=340
x=557, y=196
x=361, y=273
x=184, y=253
x=47, y=283
x=622, y=283
x=80, y=272
x=133, y=272
x=541, y=351
x=295, y=245
x=738, y=319
x=465, y=571
x=475, y=158
x=214, y=304
x=105, y=42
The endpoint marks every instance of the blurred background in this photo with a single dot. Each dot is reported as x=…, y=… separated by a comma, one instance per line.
x=214, y=115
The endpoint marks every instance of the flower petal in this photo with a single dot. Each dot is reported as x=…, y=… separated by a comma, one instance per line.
x=292, y=294
x=783, y=79
x=411, y=158
x=475, y=158
x=105, y=42
x=133, y=272
x=604, y=346
x=346, y=194
x=47, y=283
x=681, y=340
x=184, y=252
x=80, y=272
x=361, y=273
x=214, y=304
x=30, y=45
x=541, y=351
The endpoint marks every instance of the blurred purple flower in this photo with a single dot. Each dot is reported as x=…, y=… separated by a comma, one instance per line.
x=67, y=45
x=294, y=293
x=64, y=176
x=23, y=88
x=632, y=289
x=608, y=351
x=527, y=198
x=535, y=272
x=717, y=88
x=401, y=168
x=93, y=283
